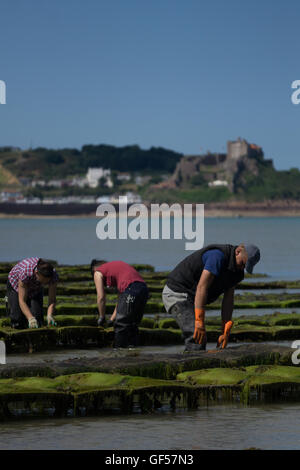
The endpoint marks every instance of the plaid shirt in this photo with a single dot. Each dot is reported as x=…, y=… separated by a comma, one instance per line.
x=24, y=271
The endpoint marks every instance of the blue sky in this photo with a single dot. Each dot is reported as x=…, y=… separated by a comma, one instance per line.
x=187, y=75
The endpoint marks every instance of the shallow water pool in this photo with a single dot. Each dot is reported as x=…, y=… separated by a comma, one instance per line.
x=227, y=426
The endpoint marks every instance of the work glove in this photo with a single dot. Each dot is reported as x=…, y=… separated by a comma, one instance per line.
x=32, y=323
x=199, y=331
x=223, y=339
x=101, y=321
x=51, y=321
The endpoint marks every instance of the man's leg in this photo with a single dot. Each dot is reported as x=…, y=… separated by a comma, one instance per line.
x=130, y=311
x=36, y=308
x=141, y=295
x=17, y=317
x=122, y=321
x=184, y=314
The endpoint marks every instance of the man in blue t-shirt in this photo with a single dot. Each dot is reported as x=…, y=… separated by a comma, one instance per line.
x=199, y=280
x=213, y=261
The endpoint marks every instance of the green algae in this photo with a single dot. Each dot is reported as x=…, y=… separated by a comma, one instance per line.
x=148, y=268
x=147, y=323
x=257, y=304
x=264, y=297
x=77, y=383
x=273, y=374
x=76, y=320
x=80, y=320
x=93, y=391
x=81, y=307
x=97, y=392
x=274, y=319
x=269, y=285
x=218, y=376
x=79, y=334
x=278, y=319
x=5, y=322
x=75, y=309
x=166, y=323
x=149, y=336
x=40, y=339
x=253, y=382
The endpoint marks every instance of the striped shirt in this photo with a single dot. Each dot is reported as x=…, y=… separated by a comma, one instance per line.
x=24, y=271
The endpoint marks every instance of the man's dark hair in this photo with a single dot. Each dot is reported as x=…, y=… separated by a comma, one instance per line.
x=45, y=268
x=94, y=263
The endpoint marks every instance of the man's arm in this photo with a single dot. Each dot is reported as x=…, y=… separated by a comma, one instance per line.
x=227, y=309
x=51, y=303
x=205, y=281
x=101, y=296
x=22, y=295
x=227, y=305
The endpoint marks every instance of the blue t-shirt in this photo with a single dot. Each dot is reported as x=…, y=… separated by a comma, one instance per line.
x=213, y=261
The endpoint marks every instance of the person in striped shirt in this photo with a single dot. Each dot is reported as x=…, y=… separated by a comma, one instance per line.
x=25, y=293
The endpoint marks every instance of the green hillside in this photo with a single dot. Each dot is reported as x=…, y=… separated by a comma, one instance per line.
x=43, y=163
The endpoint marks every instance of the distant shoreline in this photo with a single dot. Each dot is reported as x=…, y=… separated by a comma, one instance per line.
x=222, y=209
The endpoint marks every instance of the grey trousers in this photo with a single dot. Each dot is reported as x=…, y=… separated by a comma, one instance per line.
x=184, y=314
x=182, y=308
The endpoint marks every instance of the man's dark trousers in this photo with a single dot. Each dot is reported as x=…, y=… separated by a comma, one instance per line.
x=130, y=309
x=17, y=317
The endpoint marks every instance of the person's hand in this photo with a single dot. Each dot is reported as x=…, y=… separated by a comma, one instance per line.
x=32, y=323
x=51, y=321
x=199, y=331
x=223, y=339
x=101, y=321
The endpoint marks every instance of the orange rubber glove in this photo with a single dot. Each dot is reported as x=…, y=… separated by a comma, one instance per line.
x=199, y=332
x=223, y=339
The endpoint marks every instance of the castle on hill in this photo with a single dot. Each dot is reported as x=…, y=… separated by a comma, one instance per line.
x=217, y=169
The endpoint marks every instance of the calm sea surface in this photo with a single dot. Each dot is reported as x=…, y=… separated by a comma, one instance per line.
x=213, y=427
x=74, y=241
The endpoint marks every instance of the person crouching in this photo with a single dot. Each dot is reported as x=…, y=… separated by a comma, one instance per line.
x=25, y=293
x=133, y=295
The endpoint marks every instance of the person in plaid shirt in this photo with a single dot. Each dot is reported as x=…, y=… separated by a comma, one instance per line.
x=25, y=292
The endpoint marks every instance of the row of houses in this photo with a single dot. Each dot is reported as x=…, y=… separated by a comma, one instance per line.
x=18, y=198
x=90, y=180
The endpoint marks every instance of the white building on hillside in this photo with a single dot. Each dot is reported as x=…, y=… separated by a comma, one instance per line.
x=217, y=183
x=94, y=174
